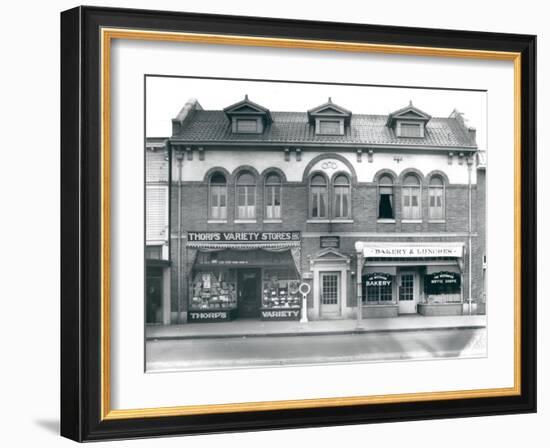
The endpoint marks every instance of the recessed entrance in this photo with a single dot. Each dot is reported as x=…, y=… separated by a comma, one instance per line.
x=330, y=294
x=249, y=293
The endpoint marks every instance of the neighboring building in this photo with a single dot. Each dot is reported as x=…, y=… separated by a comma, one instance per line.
x=157, y=253
x=387, y=209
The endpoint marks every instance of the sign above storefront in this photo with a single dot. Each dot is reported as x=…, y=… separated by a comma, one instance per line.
x=394, y=250
x=243, y=237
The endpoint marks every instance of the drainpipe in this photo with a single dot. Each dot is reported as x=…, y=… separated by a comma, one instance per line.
x=469, y=162
x=179, y=158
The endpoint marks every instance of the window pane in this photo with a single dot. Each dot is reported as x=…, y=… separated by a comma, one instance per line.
x=385, y=209
x=410, y=130
x=246, y=179
x=273, y=179
x=329, y=127
x=247, y=125
x=318, y=180
x=411, y=180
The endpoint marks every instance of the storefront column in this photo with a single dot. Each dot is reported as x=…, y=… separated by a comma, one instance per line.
x=359, y=276
x=166, y=303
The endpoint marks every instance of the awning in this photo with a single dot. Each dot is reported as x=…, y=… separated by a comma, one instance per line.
x=410, y=250
x=243, y=246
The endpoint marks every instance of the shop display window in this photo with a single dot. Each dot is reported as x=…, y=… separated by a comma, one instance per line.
x=214, y=290
x=280, y=289
x=442, y=287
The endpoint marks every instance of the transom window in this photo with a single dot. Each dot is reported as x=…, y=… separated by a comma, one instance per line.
x=318, y=197
x=273, y=196
x=246, y=196
x=436, y=198
x=218, y=197
x=342, y=197
x=385, y=197
x=411, y=197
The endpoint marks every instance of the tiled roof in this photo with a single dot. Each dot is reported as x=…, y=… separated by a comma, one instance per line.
x=293, y=128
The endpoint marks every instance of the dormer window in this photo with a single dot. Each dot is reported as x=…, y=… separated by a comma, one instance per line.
x=248, y=117
x=330, y=127
x=329, y=118
x=405, y=129
x=408, y=122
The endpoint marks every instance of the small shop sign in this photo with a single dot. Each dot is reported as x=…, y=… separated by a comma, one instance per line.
x=280, y=314
x=330, y=241
x=442, y=282
x=210, y=315
x=378, y=279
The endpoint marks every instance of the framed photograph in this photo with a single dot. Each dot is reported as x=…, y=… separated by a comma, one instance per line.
x=274, y=224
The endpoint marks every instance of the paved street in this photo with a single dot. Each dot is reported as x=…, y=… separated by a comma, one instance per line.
x=180, y=354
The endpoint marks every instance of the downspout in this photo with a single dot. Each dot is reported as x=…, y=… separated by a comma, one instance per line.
x=179, y=157
x=469, y=163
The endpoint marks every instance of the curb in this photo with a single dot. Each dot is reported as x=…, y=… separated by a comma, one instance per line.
x=309, y=333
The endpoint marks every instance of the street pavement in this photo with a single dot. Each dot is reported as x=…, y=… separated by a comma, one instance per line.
x=220, y=353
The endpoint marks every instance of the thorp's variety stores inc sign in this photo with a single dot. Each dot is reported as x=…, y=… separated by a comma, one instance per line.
x=243, y=237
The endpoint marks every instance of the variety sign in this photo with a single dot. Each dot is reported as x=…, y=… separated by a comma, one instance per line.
x=243, y=237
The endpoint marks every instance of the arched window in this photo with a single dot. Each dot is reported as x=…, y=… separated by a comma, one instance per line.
x=318, y=197
x=411, y=197
x=385, y=197
x=342, y=196
x=273, y=196
x=218, y=197
x=246, y=196
x=436, y=194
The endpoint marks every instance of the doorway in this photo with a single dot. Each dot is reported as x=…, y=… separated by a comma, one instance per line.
x=248, y=293
x=153, y=298
x=408, y=292
x=330, y=294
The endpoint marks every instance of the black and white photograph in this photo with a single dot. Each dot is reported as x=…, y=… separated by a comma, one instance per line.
x=293, y=223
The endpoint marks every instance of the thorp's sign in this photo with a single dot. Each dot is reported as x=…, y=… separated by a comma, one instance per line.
x=243, y=237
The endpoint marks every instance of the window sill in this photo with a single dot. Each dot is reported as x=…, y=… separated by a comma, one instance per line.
x=386, y=221
x=273, y=221
x=318, y=221
x=437, y=221
x=245, y=221
x=411, y=221
x=216, y=221
x=342, y=221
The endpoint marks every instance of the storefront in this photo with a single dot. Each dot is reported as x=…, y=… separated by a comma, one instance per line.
x=416, y=278
x=244, y=275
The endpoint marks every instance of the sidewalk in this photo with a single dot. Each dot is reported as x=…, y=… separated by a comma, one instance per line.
x=256, y=328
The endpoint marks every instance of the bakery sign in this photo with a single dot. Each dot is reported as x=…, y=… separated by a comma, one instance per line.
x=377, y=279
x=243, y=237
x=390, y=250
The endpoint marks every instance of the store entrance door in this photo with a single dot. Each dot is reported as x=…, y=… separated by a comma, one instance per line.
x=248, y=297
x=408, y=294
x=330, y=294
x=153, y=298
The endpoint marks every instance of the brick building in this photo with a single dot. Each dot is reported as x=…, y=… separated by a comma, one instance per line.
x=244, y=204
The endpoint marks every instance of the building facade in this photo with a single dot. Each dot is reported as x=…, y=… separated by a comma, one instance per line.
x=382, y=211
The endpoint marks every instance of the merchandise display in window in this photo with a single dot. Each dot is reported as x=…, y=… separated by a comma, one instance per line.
x=281, y=299
x=213, y=291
